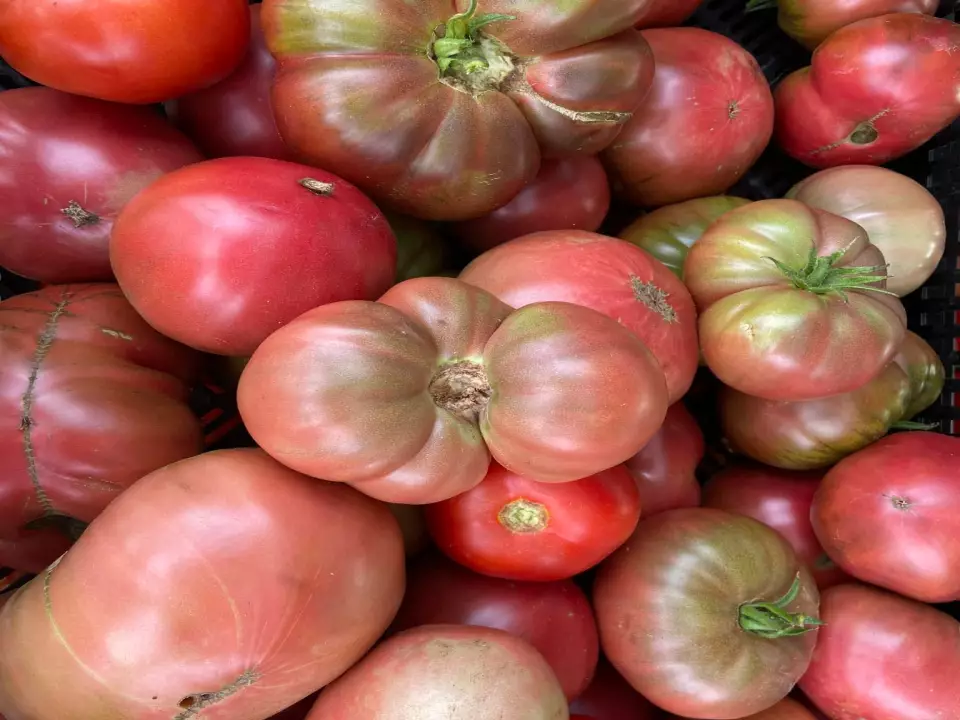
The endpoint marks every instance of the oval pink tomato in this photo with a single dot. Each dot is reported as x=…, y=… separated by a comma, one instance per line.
x=281, y=584
x=220, y=254
x=610, y=697
x=704, y=124
x=70, y=165
x=605, y=274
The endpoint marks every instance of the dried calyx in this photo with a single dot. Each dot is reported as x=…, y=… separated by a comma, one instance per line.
x=469, y=59
x=523, y=516
x=461, y=388
x=821, y=276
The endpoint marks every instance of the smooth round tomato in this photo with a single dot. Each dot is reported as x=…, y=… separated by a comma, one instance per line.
x=790, y=302
x=605, y=274
x=264, y=585
x=665, y=470
x=667, y=13
x=220, y=254
x=704, y=124
x=70, y=165
x=131, y=51
x=890, y=515
x=859, y=670
x=610, y=697
x=554, y=617
x=706, y=613
x=510, y=526
x=780, y=499
x=235, y=116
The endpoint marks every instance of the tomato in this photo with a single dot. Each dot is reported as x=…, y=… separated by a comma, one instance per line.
x=442, y=671
x=263, y=586
x=607, y=275
x=70, y=165
x=706, y=613
x=900, y=216
x=610, y=697
x=132, y=51
x=554, y=617
x=782, y=315
x=235, y=115
x=665, y=470
x=512, y=527
x=905, y=532
x=220, y=254
x=91, y=399
x=708, y=118
x=667, y=13
x=453, y=127
x=408, y=397
x=786, y=709
x=567, y=193
x=780, y=499
x=669, y=232
x=858, y=669
x=876, y=89
x=925, y=371
x=421, y=249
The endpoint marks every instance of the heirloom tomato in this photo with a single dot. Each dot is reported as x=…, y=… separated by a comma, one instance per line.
x=443, y=109
x=706, y=121
x=605, y=274
x=706, y=613
x=225, y=585
x=883, y=656
x=905, y=532
x=70, y=164
x=610, y=697
x=925, y=371
x=131, y=51
x=408, y=397
x=91, y=399
x=220, y=254
x=667, y=13
x=875, y=90
x=792, y=302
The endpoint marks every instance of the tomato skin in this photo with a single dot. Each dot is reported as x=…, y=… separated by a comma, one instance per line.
x=876, y=89
x=904, y=534
x=665, y=469
x=607, y=275
x=279, y=565
x=554, y=617
x=516, y=528
x=925, y=371
x=810, y=22
x=780, y=499
x=610, y=697
x=221, y=286
x=858, y=669
x=668, y=13
x=61, y=149
x=690, y=656
x=705, y=123
x=763, y=335
x=127, y=51
x=234, y=117
x=568, y=193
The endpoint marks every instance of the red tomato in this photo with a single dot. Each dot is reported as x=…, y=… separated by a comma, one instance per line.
x=91, y=399
x=554, y=617
x=706, y=121
x=220, y=254
x=905, y=532
x=876, y=89
x=883, y=656
x=780, y=499
x=667, y=13
x=132, y=51
x=610, y=697
x=567, y=193
x=70, y=164
x=510, y=526
x=263, y=586
x=608, y=275
x=235, y=115
x=665, y=470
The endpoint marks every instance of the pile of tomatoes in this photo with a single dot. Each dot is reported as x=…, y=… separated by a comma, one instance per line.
x=540, y=423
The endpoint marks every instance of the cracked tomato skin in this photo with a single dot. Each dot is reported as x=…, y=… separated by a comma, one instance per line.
x=359, y=93
x=706, y=121
x=875, y=90
x=91, y=399
x=763, y=335
x=605, y=274
x=264, y=586
x=68, y=153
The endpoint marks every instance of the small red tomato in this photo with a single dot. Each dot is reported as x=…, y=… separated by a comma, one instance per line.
x=512, y=527
x=610, y=697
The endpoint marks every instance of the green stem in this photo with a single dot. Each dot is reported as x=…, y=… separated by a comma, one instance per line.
x=911, y=425
x=754, y=5
x=821, y=276
x=772, y=620
x=458, y=47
